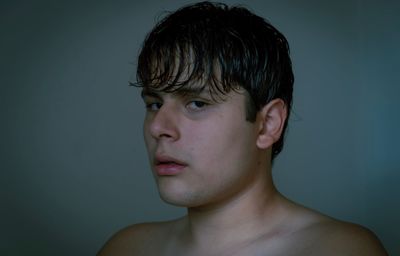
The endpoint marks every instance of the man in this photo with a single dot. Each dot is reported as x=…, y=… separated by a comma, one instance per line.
x=217, y=84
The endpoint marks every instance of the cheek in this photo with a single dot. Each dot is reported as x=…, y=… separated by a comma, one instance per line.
x=223, y=148
x=148, y=139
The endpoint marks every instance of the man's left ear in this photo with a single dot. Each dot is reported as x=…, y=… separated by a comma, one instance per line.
x=272, y=120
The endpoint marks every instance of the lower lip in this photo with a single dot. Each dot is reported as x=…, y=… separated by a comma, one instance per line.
x=169, y=169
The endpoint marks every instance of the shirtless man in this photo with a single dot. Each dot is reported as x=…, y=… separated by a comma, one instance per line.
x=217, y=84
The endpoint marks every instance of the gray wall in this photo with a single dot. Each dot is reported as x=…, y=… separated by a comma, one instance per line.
x=73, y=166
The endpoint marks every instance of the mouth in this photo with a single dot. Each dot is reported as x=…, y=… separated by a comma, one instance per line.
x=168, y=166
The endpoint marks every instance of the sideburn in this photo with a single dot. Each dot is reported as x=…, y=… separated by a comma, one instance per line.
x=251, y=109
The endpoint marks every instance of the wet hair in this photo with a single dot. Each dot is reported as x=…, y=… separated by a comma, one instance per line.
x=222, y=48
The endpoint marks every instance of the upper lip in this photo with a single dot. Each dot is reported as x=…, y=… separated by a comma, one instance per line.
x=163, y=159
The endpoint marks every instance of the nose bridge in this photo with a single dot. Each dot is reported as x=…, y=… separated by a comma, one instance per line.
x=164, y=122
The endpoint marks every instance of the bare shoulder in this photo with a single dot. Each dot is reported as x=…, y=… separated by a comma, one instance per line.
x=342, y=238
x=135, y=239
x=314, y=233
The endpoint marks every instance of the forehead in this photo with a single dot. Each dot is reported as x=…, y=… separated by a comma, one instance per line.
x=184, y=81
x=181, y=68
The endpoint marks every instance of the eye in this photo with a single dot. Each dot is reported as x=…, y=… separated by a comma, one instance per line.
x=196, y=105
x=154, y=106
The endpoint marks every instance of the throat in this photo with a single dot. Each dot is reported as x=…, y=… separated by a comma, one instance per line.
x=234, y=224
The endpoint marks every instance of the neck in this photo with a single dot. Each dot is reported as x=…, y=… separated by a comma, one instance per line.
x=244, y=216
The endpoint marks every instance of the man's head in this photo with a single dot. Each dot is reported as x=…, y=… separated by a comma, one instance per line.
x=223, y=49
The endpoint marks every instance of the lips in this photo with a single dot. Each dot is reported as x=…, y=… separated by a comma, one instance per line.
x=168, y=166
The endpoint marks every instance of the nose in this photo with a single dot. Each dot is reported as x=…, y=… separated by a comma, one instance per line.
x=164, y=123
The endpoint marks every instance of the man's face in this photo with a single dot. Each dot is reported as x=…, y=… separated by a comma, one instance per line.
x=201, y=151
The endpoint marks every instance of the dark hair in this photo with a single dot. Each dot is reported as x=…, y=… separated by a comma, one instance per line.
x=223, y=47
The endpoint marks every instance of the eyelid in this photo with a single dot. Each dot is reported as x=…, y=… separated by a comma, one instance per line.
x=149, y=94
x=190, y=105
x=150, y=100
x=153, y=106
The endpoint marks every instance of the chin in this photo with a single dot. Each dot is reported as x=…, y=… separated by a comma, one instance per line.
x=180, y=198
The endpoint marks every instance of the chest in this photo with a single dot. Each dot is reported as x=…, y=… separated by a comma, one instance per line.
x=300, y=247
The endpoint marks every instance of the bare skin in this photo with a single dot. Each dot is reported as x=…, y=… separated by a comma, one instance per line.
x=233, y=205
x=299, y=232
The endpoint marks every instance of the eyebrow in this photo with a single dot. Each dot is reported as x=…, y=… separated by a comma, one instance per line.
x=149, y=93
x=181, y=92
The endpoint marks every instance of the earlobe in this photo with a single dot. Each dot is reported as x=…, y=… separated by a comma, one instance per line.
x=272, y=120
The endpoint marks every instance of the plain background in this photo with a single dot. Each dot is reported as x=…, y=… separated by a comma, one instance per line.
x=72, y=158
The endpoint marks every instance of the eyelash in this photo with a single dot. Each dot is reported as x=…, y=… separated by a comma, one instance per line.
x=150, y=106
x=196, y=107
x=193, y=105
